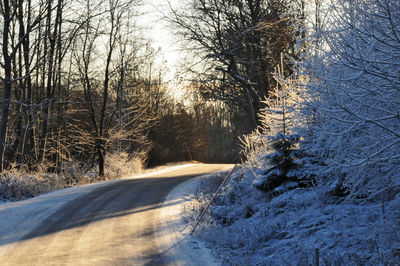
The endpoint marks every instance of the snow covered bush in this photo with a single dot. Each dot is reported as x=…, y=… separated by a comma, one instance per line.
x=246, y=227
x=19, y=184
x=121, y=164
x=354, y=89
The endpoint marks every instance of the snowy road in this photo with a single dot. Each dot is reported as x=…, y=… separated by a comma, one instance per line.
x=112, y=223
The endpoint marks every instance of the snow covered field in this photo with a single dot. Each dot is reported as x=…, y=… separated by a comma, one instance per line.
x=247, y=227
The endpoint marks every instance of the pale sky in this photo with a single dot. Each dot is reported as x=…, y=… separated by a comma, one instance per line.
x=160, y=35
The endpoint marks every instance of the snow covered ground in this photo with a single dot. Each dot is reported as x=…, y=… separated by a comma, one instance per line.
x=248, y=227
x=176, y=241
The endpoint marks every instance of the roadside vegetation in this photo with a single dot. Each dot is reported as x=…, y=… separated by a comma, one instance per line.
x=321, y=180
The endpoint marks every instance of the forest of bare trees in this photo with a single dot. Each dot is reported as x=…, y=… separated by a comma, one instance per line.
x=81, y=84
x=72, y=75
x=238, y=45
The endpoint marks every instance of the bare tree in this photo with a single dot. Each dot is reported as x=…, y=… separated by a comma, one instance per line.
x=68, y=70
x=238, y=42
x=16, y=44
x=109, y=28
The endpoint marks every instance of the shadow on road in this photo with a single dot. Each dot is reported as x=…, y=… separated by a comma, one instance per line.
x=121, y=198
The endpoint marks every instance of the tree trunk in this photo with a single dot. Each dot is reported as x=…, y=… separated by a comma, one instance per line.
x=7, y=83
x=100, y=155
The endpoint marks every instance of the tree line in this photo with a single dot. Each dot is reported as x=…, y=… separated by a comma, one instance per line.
x=78, y=82
x=72, y=82
x=238, y=44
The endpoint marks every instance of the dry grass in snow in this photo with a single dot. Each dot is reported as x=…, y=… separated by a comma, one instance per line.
x=17, y=184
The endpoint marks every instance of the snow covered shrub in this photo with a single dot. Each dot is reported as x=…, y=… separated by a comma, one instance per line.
x=121, y=164
x=355, y=92
x=18, y=184
x=253, y=149
x=244, y=227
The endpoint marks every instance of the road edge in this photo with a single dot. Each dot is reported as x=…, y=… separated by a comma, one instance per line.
x=176, y=243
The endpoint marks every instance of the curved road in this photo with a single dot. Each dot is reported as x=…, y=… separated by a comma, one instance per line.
x=111, y=225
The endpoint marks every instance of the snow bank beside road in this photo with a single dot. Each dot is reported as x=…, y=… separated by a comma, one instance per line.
x=248, y=227
x=176, y=243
